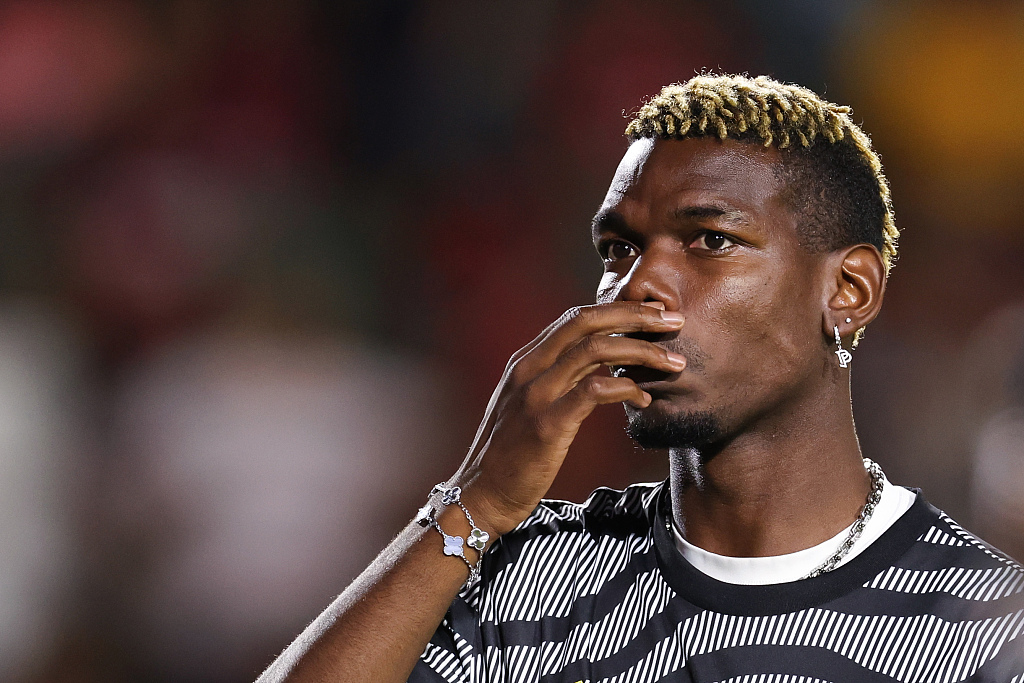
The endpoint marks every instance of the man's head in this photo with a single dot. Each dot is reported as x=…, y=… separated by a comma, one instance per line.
x=760, y=212
x=833, y=175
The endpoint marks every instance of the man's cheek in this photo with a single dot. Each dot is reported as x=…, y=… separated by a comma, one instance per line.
x=754, y=318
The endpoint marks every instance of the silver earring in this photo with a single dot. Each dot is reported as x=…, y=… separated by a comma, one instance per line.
x=844, y=355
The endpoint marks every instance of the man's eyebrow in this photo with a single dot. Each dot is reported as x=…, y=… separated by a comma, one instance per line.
x=704, y=211
x=609, y=221
x=613, y=221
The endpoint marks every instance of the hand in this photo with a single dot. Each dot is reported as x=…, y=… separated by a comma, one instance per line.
x=548, y=388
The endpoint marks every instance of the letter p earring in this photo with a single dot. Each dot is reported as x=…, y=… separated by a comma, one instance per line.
x=844, y=355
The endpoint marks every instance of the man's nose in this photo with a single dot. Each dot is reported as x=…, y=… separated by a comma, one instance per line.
x=653, y=277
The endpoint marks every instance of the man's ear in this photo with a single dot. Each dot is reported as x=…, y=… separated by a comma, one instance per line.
x=855, y=286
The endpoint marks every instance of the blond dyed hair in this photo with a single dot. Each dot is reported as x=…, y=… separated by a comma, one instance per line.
x=762, y=109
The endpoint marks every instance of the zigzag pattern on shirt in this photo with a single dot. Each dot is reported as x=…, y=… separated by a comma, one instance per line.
x=555, y=570
x=602, y=500
x=908, y=649
x=968, y=584
x=446, y=664
x=774, y=678
x=552, y=511
x=974, y=541
x=552, y=571
x=939, y=537
x=633, y=502
x=646, y=599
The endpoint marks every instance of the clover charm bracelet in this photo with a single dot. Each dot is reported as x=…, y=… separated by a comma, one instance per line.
x=453, y=545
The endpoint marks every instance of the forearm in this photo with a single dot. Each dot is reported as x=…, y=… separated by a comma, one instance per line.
x=378, y=627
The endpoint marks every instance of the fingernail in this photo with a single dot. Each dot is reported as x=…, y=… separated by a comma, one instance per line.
x=653, y=304
x=676, y=360
x=672, y=317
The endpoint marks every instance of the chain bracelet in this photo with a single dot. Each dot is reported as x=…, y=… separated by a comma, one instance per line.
x=453, y=545
x=477, y=538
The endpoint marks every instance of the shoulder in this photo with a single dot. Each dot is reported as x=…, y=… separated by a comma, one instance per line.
x=967, y=547
x=557, y=530
x=948, y=559
x=564, y=551
x=605, y=510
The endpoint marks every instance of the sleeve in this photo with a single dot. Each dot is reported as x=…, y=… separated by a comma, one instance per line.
x=470, y=645
x=452, y=655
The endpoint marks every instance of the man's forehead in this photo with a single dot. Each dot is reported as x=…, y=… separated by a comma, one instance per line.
x=631, y=165
x=699, y=165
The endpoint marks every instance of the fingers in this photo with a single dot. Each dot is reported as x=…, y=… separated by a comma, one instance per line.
x=549, y=388
x=568, y=315
x=596, y=350
x=593, y=390
x=577, y=323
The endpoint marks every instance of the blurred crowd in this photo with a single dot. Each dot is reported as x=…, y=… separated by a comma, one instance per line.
x=263, y=262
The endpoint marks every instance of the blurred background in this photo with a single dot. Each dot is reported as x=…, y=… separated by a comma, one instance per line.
x=262, y=263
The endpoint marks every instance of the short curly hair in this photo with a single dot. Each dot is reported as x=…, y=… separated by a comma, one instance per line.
x=835, y=179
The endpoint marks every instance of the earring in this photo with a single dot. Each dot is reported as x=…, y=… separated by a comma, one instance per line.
x=844, y=355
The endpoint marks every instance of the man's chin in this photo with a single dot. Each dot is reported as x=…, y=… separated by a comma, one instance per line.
x=686, y=430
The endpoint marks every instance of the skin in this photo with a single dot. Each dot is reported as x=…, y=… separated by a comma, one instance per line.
x=709, y=305
x=701, y=227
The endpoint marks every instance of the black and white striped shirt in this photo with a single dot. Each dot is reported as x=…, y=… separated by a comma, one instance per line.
x=598, y=592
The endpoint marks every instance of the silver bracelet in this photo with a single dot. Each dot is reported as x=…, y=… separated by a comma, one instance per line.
x=477, y=539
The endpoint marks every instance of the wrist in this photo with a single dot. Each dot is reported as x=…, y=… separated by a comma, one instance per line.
x=462, y=536
x=494, y=511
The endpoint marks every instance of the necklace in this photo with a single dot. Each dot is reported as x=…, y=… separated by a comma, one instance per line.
x=875, y=495
x=877, y=481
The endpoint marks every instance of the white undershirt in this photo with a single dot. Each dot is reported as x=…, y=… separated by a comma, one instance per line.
x=759, y=571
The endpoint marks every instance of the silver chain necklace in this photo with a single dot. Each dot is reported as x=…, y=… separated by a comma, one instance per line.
x=877, y=482
x=875, y=495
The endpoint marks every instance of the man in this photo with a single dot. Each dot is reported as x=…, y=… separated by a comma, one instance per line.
x=747, y=236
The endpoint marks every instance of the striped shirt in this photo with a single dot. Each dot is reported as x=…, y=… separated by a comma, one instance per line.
x=598, y=592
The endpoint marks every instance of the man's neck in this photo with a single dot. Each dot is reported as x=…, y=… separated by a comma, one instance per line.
x=773, y=490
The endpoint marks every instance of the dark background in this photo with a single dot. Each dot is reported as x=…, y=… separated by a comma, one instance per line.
x=262, y=263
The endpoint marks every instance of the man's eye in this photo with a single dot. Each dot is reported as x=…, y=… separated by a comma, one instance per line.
x=620, y=250
x=712, y=241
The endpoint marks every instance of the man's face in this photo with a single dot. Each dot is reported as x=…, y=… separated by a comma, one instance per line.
x=700, y=226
